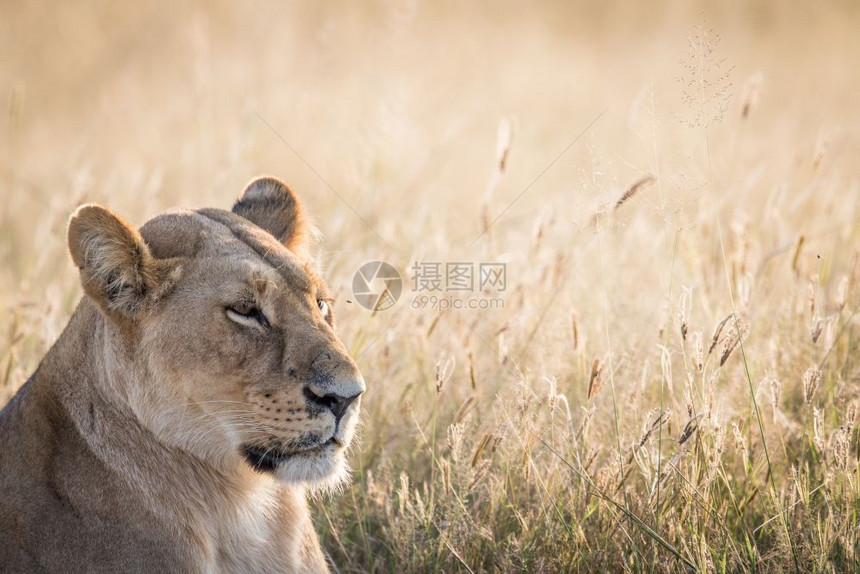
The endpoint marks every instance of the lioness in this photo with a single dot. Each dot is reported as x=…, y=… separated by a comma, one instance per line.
x=198, y=390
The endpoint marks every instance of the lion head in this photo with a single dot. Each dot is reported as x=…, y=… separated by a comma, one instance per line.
x=219, y=336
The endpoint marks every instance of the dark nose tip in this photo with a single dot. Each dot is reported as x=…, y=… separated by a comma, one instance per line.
x=337, y=404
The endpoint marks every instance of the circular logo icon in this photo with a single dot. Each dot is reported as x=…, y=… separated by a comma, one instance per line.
x=376, y=286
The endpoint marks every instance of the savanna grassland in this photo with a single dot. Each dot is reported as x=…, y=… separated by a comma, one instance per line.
x=673, y=382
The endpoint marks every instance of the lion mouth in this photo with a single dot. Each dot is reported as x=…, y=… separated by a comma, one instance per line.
x=267, y=459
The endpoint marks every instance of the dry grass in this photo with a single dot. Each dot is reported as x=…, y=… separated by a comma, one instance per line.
x=673, y=382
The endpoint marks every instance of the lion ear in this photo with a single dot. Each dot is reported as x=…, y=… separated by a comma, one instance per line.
x=271, y=204
x=117, y=269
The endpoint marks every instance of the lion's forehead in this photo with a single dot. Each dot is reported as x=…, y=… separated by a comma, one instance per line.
x=218, y=234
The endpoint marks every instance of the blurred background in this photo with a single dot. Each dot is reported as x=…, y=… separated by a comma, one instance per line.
x=738, y=118
x=392, y=105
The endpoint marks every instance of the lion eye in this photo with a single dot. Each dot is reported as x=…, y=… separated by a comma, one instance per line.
x=246, y=313
x=323, y=305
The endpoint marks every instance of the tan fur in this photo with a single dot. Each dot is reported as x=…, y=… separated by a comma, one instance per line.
x=125, y=451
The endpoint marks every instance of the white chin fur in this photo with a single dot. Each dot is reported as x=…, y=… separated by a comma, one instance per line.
x=320, y=471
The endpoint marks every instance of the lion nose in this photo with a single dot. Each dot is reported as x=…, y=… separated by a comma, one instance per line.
x=337, y=404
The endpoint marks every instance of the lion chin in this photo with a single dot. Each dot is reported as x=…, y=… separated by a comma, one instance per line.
x=318, y=473
x=321, y=469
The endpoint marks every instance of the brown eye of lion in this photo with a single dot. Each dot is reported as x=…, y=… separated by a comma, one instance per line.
x=245, y=313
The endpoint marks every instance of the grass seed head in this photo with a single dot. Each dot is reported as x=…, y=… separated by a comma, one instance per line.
x=751, y=94
x=775, y=388
x=842, y=293
x=841, y=449
x=811, y=378
x=698, y=353
x=740, y=443
x=595, y=381
x=817, y=428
